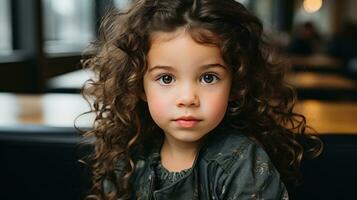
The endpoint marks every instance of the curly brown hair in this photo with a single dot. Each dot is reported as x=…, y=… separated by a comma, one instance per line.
x=263, y=104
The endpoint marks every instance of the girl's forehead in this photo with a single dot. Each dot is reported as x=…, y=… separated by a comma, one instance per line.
x=181, y=50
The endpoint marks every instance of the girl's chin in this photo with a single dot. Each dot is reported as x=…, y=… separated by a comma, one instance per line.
x=187, y=137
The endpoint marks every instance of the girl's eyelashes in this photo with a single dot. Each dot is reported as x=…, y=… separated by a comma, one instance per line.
x=209, y=78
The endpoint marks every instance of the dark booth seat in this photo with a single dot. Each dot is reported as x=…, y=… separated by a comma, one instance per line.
x=333, y=175
x=39, y=162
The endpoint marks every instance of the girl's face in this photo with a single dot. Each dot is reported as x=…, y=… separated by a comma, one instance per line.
x=186, y=86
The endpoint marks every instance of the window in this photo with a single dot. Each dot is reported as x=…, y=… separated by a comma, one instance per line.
x=69, y=25
x=40, y=39
x=5, y=24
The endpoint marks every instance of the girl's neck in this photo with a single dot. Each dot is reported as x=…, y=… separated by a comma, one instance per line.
x=177, y=156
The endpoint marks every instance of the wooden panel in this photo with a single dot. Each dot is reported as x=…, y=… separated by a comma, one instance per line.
x=323, y=86
x=306, y=80
x=330, y=117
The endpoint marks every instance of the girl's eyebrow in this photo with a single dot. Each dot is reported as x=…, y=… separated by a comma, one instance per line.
x=164, y=67
x=214, y=65
x=207, y=66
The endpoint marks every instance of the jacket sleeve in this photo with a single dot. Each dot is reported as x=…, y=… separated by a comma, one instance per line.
x=252, y=176
x=108, y=185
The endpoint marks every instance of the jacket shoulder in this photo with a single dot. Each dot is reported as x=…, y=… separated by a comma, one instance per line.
x=229, y=147
x=226, y=142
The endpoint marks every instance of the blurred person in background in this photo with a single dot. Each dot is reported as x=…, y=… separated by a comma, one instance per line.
x=306, y=40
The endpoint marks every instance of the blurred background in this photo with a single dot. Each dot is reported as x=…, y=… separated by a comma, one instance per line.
x=41, y=43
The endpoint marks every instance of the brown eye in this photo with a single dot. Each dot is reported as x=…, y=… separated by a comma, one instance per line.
x=209, y=78
x=166, y=79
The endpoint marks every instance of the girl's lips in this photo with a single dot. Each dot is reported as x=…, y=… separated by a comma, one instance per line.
x=189, y=123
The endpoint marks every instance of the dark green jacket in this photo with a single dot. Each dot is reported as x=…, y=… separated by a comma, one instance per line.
x=229, y=166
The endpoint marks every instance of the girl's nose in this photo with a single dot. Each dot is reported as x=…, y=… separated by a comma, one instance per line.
x=188, y=97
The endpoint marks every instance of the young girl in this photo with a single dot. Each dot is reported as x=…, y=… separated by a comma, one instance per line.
x=190, y=105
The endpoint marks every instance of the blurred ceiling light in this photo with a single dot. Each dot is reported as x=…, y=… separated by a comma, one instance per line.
x=312, y=6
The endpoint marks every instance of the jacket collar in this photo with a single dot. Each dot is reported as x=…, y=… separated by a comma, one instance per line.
x=154, y=156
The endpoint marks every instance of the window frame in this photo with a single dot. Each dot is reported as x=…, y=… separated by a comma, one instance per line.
x=28, y=62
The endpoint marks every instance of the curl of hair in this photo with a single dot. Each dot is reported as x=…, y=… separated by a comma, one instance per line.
x=262, y=106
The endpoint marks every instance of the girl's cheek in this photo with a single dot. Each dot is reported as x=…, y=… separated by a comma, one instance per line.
x=216, y=105
x=219, y=106
x=158, y=105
